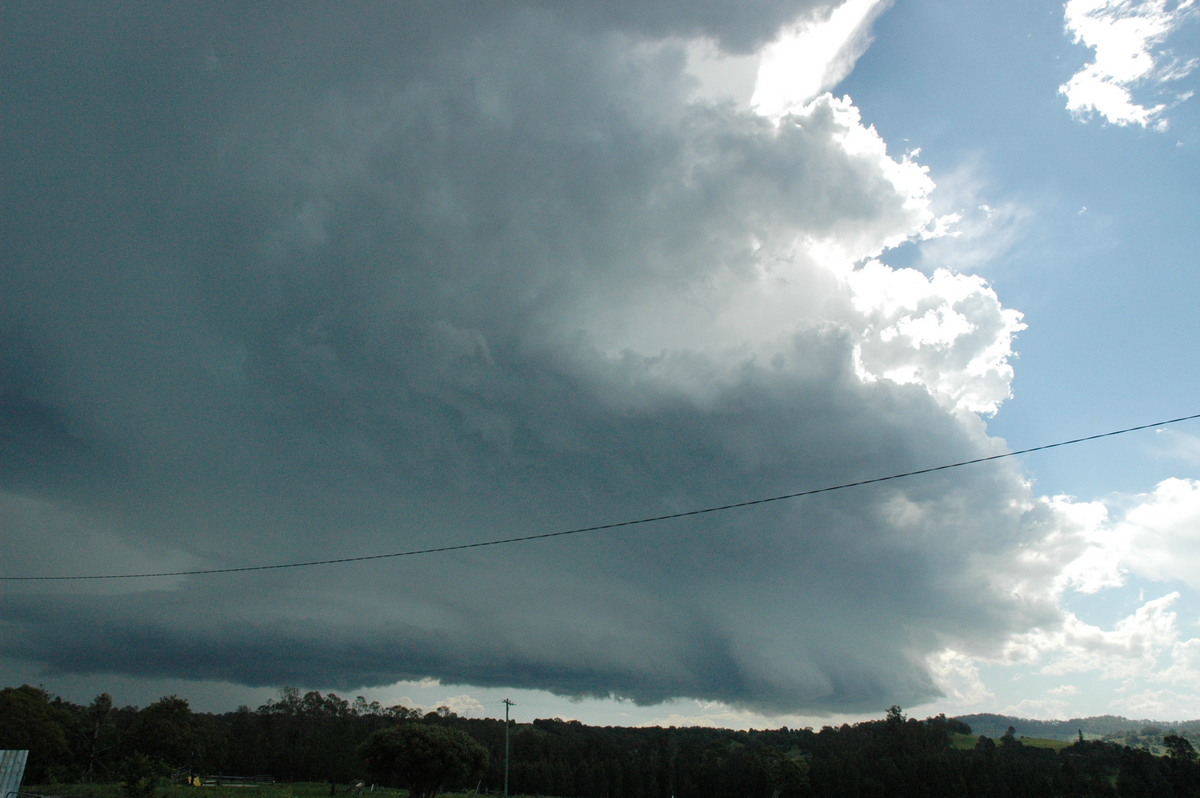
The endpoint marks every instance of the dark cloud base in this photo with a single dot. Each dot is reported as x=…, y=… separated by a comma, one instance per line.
x=407, y=276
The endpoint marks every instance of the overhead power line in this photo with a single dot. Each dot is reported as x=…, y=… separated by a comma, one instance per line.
x=615, y=524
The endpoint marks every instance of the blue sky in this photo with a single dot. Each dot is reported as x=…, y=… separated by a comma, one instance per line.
x=339, y=284
x=1107, y=292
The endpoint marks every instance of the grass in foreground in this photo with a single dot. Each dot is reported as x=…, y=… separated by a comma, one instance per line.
x=290, y=790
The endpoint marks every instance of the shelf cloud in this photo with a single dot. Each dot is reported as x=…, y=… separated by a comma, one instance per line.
x=301, y=283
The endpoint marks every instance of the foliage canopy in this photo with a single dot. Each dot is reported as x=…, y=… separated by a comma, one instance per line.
x=423, y=758
x=310, y=737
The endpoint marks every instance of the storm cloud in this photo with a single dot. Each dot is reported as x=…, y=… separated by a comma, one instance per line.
x=289, y=283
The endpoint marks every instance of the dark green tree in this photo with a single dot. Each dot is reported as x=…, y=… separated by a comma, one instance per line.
x=167, y=732
x=30, y=721
x=1179, y=748
x=141, y=775
x=1140, y=776
x=97, y=737
x=422, y=758
x=1182, y=769
x=313, y=736
x=786, y=775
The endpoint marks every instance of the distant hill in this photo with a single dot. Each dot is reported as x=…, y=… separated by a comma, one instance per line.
x=1099, y=727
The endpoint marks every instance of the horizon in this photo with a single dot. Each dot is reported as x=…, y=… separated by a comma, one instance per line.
x=470, y=710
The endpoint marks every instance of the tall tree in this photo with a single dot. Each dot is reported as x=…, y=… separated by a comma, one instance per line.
x=422, y=758
x=167, y=732
x=29, y=721
x=1179, y=748
x=99, y=737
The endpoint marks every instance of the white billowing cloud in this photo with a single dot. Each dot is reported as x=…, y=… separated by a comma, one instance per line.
x=1184, y=669
x=1132, y=647
x=1128, y=38
x=1094, y=546
x=1161, y=531
x=1045, y=708
x=691, y=721
x=1149, y=653
x=1063, y=690
x=1088, y=547
x=464, y=705
x=1165, y=702
x=1054, y=703
x=794, y=261
x=1152, y=537
x=1095, y=555
x=813, y=56
x=947, y=333
x=959, y=680
x=1169, y=693
x=1137, y=647
x=707, y=714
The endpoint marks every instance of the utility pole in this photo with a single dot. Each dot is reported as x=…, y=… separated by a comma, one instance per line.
x=507, y=704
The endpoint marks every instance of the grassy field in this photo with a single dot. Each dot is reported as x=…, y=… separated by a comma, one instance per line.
x=967, y=741
x=1042, y=742
x=963, y=741
x=298, y=790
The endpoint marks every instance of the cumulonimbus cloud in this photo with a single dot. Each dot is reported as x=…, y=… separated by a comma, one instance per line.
x=445, y=284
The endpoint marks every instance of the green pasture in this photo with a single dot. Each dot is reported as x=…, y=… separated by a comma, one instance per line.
x=967, y=741
x=165, y=790
x=1043, y=742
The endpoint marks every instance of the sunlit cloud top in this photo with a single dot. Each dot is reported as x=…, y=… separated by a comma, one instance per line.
x=813, y=56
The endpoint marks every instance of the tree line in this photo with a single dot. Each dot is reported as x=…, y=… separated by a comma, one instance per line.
x=1111, y=727
x=324, y=738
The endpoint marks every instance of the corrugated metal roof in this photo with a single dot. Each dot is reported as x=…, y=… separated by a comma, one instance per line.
x=12, y=771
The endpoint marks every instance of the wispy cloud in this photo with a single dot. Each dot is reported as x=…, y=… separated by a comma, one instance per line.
x=1131, y=59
